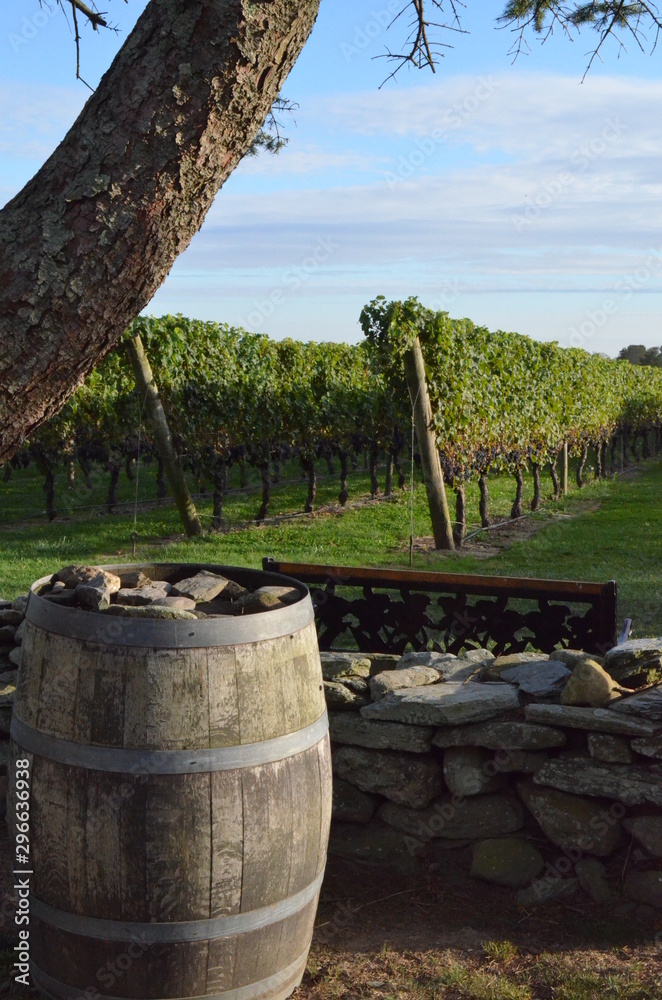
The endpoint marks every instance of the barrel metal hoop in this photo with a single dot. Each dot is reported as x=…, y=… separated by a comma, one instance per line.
x=137, y=761
x=178, y=931
x=60, y=991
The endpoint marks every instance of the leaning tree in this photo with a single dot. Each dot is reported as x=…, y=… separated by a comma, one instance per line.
x=86, y=243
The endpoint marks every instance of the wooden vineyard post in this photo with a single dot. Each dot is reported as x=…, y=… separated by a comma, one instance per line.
x=442, y=528
x=148, y=392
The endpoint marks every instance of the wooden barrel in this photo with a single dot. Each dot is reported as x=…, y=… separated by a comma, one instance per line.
x=179, y=797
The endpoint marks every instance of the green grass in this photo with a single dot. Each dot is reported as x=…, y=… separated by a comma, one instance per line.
x=609, y=530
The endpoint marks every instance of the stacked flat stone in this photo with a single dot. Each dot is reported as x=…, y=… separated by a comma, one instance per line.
x=539, y=772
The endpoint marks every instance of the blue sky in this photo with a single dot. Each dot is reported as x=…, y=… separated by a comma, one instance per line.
x=510, y=193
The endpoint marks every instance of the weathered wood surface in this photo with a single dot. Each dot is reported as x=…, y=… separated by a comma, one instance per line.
x=149, y=848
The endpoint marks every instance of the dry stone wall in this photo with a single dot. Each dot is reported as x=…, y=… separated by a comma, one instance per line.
x=541, y=773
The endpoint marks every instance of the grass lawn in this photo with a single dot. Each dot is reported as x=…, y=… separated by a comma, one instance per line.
x=609, y=530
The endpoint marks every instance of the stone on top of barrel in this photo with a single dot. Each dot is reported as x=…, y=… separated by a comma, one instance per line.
x=133, y=594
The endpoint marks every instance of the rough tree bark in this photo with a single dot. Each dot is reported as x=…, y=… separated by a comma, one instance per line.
x=86, y=243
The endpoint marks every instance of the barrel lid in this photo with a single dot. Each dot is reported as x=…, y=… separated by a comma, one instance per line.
x=157, y=633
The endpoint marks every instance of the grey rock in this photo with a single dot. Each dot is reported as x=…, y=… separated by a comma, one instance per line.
x=62, y=598
x=599, y=720
x=612, y=749
x=381, y=661
x=132, y=579
x=376, y=845
x=572, y=821
x=592, y=876
x=632, y=784
x=625, y=661
x=286, y=595
x=151, y=611
x=648, y=831
x=425, y=658
x=8, y=694
x=204, y=586
x=11, y=617
x=183, y=603
x=449, y=704
x=20, y=603
x=501, y=736
x=8, y=677
x=234, y=591
x=218, y=608
x=5, y=720
x=542, y=679
x=259, y=601
x=479, y=657
x=647, y=704
x=142, y=596
x=7, y=633
x=15, y=656
x=507, y=861
x=94, y=576
x=393, y=680
x=470, y=771
x=474, y=818
x=459, y=670
x=4, y=603
x=92, y=598
x=354, y=730
x=507, y=662
x=644, y=887
x=4, y=756
x=340, y=698
x=520, y=761
x=649, y=746
x=335, y=665
x=357, y=684
x=349, y=805
x=590, y=685
x=408, y=779
x=548, y=890
x=571, y=657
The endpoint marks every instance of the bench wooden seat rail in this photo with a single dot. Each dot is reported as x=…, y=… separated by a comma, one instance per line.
x=392, y=610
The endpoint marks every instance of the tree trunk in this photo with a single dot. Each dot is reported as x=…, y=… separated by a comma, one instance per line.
x=373, y=457
x=148, y=391
x=330, y=467
x=6, y=474
x=48, y=472
x=536, y=501
x=556, y=483
x=266, y=492
x=276, y=475
x=388, y=480
x=402, y=478
x=343, y=496
x=483, y=505
x=113, y=467
x=564, y=469
x=442, y=527
x=580, y=467
x=460, y=526
x=308, y=466
x=598, y=461
x=70, y=468
x=161, y=489
x=243, y=473
x=220, y=480
x=92, y=236
x=517, y=503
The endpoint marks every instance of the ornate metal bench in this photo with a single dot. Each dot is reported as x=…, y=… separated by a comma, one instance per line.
x=389, y=610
